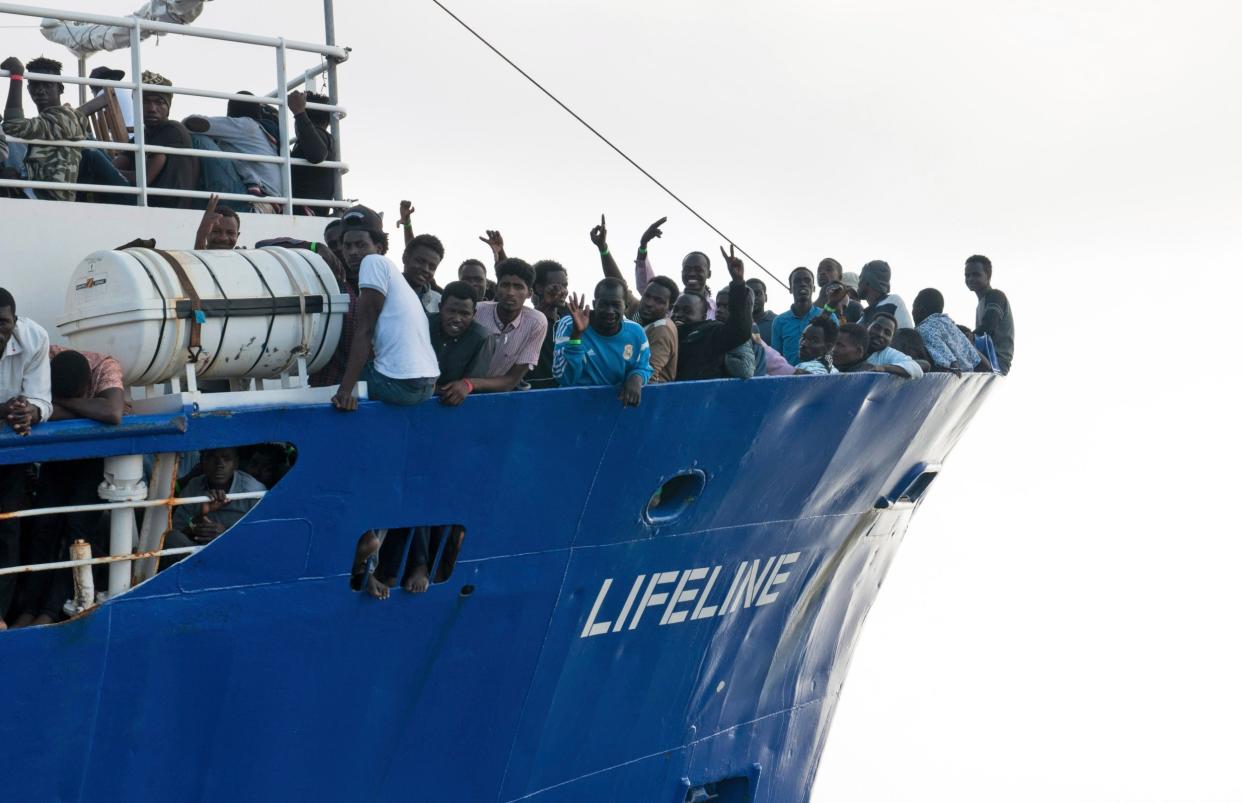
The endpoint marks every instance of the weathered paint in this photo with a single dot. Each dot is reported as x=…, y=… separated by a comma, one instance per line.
x=249, y=671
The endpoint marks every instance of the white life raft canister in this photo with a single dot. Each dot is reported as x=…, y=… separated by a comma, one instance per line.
x=234, y=314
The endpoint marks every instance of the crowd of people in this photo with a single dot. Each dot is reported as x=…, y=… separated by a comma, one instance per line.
x=246, y=127
x=409, y=338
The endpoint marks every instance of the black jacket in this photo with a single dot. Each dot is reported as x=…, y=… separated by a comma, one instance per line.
x=702, y=347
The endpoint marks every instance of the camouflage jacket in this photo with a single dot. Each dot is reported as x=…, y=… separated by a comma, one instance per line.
x=48, y=162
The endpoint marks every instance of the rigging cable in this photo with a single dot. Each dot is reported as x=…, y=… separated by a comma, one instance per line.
x=609, y=143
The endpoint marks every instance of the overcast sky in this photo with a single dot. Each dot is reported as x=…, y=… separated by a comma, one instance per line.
x=1061, y=623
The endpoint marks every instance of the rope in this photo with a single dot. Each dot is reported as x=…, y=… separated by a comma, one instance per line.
x=610, y=144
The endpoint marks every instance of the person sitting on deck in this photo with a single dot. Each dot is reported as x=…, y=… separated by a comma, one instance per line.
x=762, y=315
x=390, y=320
x=815, y=348
x=219, y=227
x=52, y=163
x=474, y=273
x=459, y=342
x=549, y=293
x=947, y=348
x=703, y=344
x=200, y=524
x=873, y=287
x=419, y=261
x=993, y=315
x=883, y=357
x=788, y=326
x=164, y=171
x=600, y=347
x=84, y=385
x=241, y=132
x=315, y=145
x=849, y=355
x=25, y=401
x=748, y=359
x=515, y=331
x=653, y=315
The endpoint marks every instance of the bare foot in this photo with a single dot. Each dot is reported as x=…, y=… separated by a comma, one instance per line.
x=375, y=588
x=23, y=620
x=418, y=580
x=42, y=619
x=3, y=626
x=368, y=545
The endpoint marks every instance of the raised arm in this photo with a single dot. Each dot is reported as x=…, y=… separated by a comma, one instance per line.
x=599, y=236
x=13, y=105
x=643, y=271
x=497, y=244
x=736, y=330
x=313, y=139
x=569, y=356
x=403, y=219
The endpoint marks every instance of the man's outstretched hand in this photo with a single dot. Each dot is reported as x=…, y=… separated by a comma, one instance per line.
x=736, y=272
x=599, y=235
x=581, y=313
x=652, y=232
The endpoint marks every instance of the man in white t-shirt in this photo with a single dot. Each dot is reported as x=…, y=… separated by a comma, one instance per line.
x=389, y=320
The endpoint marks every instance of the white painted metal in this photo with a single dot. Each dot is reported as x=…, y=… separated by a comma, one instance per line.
x=122, y=482
x=120, y=559
x=187, y=500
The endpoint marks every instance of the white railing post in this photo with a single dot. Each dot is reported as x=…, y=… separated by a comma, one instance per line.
x=122, y=482
x=329, y=31
x=282, y=89
x=140, y=139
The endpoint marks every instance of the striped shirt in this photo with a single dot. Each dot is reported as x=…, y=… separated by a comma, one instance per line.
x=515, y=343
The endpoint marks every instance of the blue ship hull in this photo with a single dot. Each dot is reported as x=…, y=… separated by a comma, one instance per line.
x=250, y=671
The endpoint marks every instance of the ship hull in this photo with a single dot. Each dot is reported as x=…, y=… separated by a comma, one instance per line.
x=251, y=671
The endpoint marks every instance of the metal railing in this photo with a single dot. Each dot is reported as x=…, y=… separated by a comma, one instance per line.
x=279, y=97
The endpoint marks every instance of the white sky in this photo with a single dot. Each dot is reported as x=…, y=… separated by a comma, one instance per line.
x=1061, y=622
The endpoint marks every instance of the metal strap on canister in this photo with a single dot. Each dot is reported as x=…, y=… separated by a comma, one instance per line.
x=197, y=316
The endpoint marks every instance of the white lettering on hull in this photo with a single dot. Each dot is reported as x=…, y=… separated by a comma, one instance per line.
x=752, y=586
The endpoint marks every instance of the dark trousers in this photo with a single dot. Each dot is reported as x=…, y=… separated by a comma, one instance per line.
x=422, y=551
x=66, y=482
x=12, y=497
x=97, y=168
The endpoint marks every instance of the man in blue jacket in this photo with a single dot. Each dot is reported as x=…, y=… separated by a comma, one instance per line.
x=600, y=347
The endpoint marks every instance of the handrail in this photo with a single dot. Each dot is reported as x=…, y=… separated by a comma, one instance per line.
x=339, y=53
x=231, y=156
x=332, y=53
x=69, y=564
x=140, y=503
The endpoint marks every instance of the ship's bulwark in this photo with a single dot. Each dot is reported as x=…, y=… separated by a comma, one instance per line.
x=251, y=672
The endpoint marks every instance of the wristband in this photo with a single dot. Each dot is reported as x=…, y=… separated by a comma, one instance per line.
x=603, y=252
x=14, y=77
x=469, y=385
x=405, y=223
x=642, y=250
x=575, y=341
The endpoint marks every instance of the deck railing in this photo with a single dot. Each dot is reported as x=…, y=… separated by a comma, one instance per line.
x=278, y=97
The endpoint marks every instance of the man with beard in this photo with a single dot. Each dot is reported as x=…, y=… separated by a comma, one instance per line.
x=474, y=273
x=458, y=341
x=652, y=313
x=600, y=347
x=702, y=343
x=788, y=326
x=550, y=290
x=882, y=356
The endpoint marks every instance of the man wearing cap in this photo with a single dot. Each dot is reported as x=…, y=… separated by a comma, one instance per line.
x=873, y=287
x=124, y=99
x=164, y=171
x=390, y=321
x=53, y=122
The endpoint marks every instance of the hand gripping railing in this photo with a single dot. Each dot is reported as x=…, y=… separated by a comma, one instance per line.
x=279, y=98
